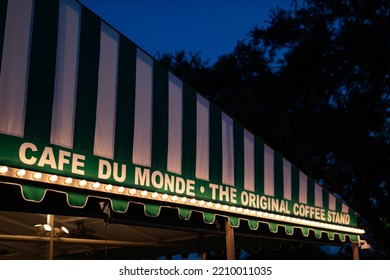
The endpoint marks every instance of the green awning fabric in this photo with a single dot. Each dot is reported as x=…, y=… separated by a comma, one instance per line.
x=80, y=200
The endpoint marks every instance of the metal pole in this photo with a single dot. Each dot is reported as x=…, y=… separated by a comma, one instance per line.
x=230, y=250
x=50, y=245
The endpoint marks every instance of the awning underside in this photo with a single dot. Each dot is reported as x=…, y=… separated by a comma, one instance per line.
x=35, y=197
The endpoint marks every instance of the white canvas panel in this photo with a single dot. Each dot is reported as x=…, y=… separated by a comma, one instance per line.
x=106, y=98
x=202, y=138
x=227, y=151
x=15, y=65
x=249, y=161
x=287, y=179
x=269, y=181
x=175, y=120
x=142, y=145
x=65, y=87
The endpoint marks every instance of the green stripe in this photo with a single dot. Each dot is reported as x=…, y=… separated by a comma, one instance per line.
x=259, y=166
x=339, y=206
x=310, y=191
x=84, y=130
x=215, y=144
x=278, y=175
x=3, y=15
x=325, y=199
x=295, y=183
x=42, y=70
x=189, y=132
x=238, y=155
x=160, y=116
x=124, y=129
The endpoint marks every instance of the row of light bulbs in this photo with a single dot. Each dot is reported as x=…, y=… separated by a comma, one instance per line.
x=68, y=181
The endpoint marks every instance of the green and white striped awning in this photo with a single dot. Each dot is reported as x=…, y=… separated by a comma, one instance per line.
x=82, y=107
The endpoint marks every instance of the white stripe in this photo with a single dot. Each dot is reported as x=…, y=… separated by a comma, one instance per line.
x=287, y=179
x=302, y=188
x=142, y=146
x=249, y=161
x=332, y=202
x=268, y=171
x=345, y=208
x=63, y=115
x=106, y=97
x=15, y=65
x=227, y=151
x=202, y=138
x=175, y=122
x=318, y=196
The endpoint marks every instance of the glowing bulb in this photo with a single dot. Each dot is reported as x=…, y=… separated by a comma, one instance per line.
x=232, y=208
x=53, y=178
x=37, y=176
x=144, y=193
x=164, y=196
x=3, y=169
x=82, y=183
x=108, y=187
x=154, y=195
x=174, y=198
x=225, y=207
x=68, y=181
x=217, y=206
x=183, y=199
x=20, y=172
x=121, y=190
x=193, y=201
x=201, y=203
x=132, y=191
x=209, y=204
x=96, y=185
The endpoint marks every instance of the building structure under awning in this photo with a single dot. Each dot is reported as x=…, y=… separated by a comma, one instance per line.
x=91, y=126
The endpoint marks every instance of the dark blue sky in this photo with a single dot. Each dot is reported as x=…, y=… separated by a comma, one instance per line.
x=210, y=26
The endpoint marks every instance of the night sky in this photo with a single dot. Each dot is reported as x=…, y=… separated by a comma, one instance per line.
x=210, y=26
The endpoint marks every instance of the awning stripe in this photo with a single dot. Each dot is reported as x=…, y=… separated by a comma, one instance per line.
x=107, y=91
x=14, y=66
x=87, y=82
x=63, y=113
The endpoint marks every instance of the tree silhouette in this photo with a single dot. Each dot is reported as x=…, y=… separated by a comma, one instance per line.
x=314, y=84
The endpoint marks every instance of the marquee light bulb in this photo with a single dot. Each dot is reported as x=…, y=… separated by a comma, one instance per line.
x=193, y=201
x=144, y=193
x=3, y=169
x=154, y=195
x=37, y=176
x=82, y=183
x=121, y=190
x=21, y=173
x=53, y=178
x=132, y=191
x=108, y=187
x=164, y=196
x=68, y=181
x=96, y=185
